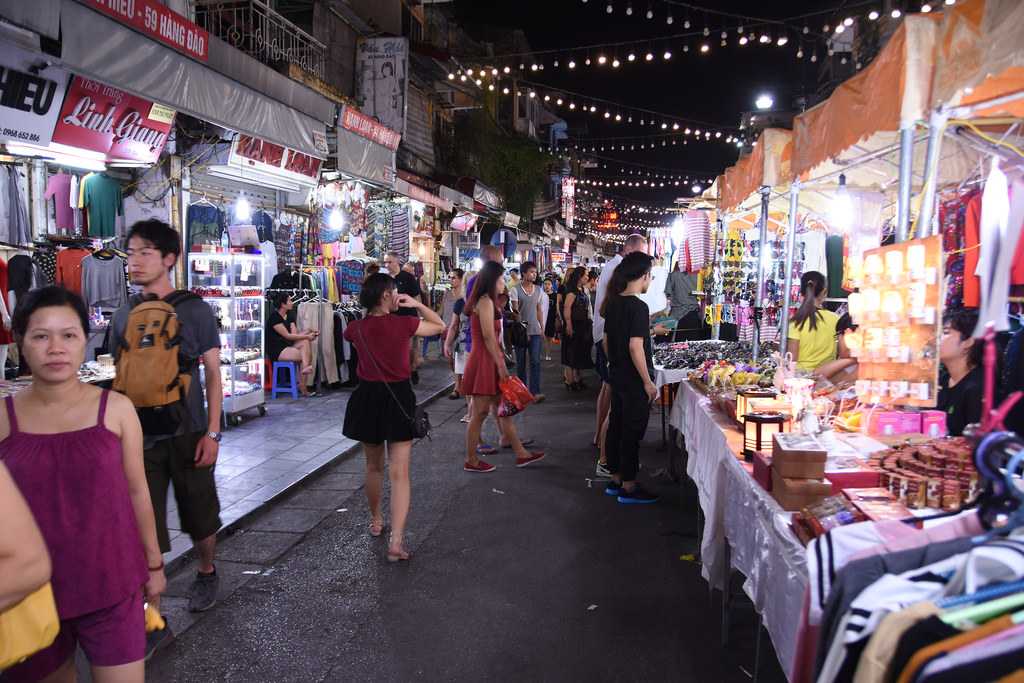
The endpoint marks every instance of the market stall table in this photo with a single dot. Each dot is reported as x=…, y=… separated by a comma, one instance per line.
x=744, y=528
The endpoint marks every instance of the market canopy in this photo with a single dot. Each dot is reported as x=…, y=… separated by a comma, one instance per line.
x=980, y=56
x=768, y=164
x=867, y=111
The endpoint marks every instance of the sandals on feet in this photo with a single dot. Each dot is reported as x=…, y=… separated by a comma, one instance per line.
x=401, y=555
x=376, y=527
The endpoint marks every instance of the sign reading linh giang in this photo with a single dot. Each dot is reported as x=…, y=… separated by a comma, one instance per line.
x=382, y=67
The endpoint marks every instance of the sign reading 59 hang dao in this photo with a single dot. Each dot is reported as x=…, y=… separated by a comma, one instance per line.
x=101, y=118
x=30, y=97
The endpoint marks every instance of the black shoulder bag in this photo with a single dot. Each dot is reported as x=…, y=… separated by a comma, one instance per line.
x=419, y=420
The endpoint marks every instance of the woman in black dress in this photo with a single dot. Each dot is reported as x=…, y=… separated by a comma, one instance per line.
x=578, y=334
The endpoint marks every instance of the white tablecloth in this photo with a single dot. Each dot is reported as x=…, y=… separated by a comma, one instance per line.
x=735, y=507
x=663, y=376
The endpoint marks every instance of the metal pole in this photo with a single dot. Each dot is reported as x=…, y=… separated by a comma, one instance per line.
x=787, y=297
x=936, y=125
x=759, y=292
x=906, y=178
x=716, y=300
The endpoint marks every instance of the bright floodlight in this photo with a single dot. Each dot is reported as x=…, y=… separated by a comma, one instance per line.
x=764, y=102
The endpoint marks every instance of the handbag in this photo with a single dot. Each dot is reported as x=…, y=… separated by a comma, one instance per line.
x=419, y=420
x=28, y=627
x=517, y=333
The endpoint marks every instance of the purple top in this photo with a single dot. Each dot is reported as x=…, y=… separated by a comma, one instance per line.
x=75, y=485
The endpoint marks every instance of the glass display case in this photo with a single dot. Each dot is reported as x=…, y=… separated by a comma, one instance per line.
x=232, y=285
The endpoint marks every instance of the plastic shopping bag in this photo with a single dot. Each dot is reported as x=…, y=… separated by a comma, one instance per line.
x=514, y=392
x=506, y=409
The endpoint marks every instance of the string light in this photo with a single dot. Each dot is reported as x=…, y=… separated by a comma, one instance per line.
x=873, y=15
x=667, y=56
x=649, y=56
x=705, y=48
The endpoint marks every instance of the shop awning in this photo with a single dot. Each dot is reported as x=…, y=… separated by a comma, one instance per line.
x=100, y=48
x=980, y=56
x=868, y=109
x=416, y=192
x=455, y=197
x=770, y=163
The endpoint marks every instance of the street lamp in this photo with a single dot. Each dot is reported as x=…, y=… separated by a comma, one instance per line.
x=764, y=102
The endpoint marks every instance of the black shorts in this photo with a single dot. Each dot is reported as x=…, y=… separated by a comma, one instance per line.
x=374, y=416
x=172, y=462
x=601, y=364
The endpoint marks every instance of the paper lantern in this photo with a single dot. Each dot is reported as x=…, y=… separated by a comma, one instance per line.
x=743, y=399
x=758, y=429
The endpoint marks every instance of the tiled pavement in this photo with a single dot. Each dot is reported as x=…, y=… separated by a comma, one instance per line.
x=266, y=456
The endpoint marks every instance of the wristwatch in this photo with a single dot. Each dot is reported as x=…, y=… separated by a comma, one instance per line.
x=216, y=436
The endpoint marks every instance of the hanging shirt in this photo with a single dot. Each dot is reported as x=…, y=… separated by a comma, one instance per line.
x=58, y=188
x=69, y=269
x=814, y=252
x=103, y=282
x=14, y=225
x=102, y=196
x=834, y=260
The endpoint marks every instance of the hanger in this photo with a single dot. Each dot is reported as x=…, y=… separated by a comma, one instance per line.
x=203, y=199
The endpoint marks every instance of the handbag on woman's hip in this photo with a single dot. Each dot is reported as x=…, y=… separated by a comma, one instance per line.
x=28, y=627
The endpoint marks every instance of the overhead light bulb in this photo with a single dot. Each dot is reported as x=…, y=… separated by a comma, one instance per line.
x=607, y=114
x=841, y=212
x=807, y=29
x=675, y=126
x=478, y=82
x=695, y=189
x=686, y=132
x=572, y=64
x=724, y=42
x=873, y=15
x=602, y=59
x=765, y=38
x=814, y=57
x=451, y=77
x=615, y=63
x=469, y=72
x=618, y=117
x=664, y=126
x=631, y=57
x=669, y=19
x=705, y=48
x=243, y=210
x=491, y=87
x=572, y=105
x=462, y=78
x=593, y=109
x=587, y=61
x=764, y=102
x=507, y=69
x=609, y=9
x=650, y=12
x=667, y=55
x=926, y=8
x=504, y=91
x=494, y=72
x=848, y=21
x=896, y=13
x=336, y=221
x=839, y=29
x=782, y=41
x=743, y=40
x=629, y=9
x=950, y=3
x=800, y=53
x=533, y=67
x=718, y=133
x=649, y=56
x=547, y=98
x=559, y=101
x=739, y=29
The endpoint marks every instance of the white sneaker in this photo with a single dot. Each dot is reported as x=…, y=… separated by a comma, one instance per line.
x=602, y=472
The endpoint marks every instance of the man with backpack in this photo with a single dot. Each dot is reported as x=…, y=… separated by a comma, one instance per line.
x=158, y=339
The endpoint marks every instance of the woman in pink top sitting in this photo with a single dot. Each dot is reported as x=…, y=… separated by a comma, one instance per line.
x=75, y=453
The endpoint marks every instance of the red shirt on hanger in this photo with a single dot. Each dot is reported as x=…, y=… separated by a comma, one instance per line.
x=972, y=250
x=69, y=269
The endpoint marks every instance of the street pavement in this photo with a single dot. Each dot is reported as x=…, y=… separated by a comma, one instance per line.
x=522, y=574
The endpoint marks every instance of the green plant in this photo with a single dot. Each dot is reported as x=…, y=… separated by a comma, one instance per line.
x=513, y=166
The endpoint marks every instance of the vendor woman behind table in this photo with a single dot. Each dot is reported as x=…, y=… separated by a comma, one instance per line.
x=285, y=342
x=961, y=354
x=812, y=332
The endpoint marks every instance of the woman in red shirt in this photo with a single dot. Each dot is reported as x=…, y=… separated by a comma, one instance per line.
x=485, y=368
x=383, y=405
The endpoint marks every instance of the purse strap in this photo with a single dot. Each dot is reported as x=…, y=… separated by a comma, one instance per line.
x=362, y=339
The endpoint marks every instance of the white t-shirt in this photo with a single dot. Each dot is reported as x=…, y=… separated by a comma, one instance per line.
x=602, y=290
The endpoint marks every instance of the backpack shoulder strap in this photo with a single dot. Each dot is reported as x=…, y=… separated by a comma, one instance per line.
x=180, y=296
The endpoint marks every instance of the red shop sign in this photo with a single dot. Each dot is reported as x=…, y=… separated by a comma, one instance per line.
x=158, y=22
x=101, y=118
x=369, y=128
x=268, y=156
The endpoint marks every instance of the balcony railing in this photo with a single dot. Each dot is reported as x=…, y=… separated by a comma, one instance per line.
x=254, y=28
